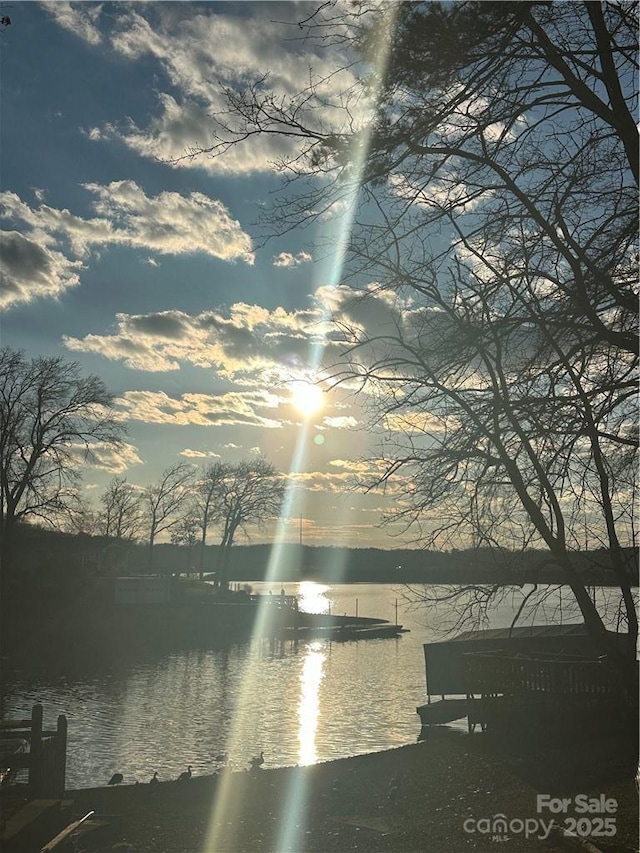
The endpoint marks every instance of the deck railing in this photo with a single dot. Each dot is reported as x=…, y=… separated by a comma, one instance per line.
x=489, y=674
x=46, y=758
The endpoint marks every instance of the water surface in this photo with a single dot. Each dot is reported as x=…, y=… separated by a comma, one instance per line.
x=300, y=703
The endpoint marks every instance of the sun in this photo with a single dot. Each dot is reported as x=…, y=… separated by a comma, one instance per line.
x=307, y=398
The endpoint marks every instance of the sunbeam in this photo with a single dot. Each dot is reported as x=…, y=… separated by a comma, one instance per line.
x=293, y=819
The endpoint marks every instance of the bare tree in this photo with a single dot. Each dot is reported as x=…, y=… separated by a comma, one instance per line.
x=488, y=157
x=81, y=518
x=164, y=501
x=250, y=493
x=185, y=532
x=122, y=516
x=49, y=413
x=207, y=501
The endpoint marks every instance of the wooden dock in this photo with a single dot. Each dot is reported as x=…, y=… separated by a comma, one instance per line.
x=45, y=759
x=542, y=678
x=342, y=631
x=443, y=711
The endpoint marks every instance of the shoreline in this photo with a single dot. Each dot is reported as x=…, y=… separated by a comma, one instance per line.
x=404, y=800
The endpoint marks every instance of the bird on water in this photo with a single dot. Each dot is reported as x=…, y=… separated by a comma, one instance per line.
x=116, y=779
x=186, y=774
x=257, y=761
x=154, y=779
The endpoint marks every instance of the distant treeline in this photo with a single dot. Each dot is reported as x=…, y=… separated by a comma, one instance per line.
x=51, y=559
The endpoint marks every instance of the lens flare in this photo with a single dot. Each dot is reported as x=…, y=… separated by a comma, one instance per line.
x=227, y=809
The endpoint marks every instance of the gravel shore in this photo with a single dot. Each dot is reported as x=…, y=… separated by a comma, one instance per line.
x=412, y=799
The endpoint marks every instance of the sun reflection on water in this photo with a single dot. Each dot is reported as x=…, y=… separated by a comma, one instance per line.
x=309, y=708
x=312, y=597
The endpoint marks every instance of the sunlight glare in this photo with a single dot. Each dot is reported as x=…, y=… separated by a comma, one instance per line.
x=312, y=597
x=309, y=708
x=307, y=398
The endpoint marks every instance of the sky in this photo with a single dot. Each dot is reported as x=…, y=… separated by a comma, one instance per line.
x=153, y=273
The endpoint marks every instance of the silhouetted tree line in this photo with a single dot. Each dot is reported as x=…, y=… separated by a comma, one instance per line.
x=53, y=419
x=61, y=560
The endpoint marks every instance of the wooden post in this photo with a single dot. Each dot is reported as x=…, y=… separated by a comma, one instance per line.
x=35, y=751
x=60, y=780
x=396, y=611
x=356, y=608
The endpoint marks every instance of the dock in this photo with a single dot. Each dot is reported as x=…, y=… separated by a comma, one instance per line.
x=443, y=711
x=350, y=631
x=517, y=680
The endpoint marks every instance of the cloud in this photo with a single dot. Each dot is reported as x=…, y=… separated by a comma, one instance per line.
x=285, y=259
x=169, y=223
x=351, y=479
x=107, y=457
x=232, y=408
x=321, y=481
x=198, y=454
x=254, y=346
x=367, y=472
x=79, y=18
x=341, y=422
x=203, y=48
x=30, y=271
x=242, y=343
x=36, y=263
x=183, y=125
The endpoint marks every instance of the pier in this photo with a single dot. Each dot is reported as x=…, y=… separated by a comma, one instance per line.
x=524, y=679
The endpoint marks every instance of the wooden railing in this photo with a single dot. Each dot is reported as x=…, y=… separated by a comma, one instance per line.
x=280, y=601
x=46, y=759
x=489, y=674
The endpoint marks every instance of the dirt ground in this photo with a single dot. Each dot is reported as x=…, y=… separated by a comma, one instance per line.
x=442, y=795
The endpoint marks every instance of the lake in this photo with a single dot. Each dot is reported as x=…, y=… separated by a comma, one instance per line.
x=299, y=703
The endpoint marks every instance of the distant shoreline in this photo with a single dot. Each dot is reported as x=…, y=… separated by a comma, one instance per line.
x=50, y=558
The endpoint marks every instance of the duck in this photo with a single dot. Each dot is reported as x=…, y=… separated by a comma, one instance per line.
x=257, y=761
x=186, y=774
x=116, y=779
x=154, y=779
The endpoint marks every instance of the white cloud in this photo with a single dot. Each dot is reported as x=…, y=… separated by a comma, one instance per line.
x=320, y=481
x=107, y=457
x=79, y=18
x=203, y=48
x=182, y=125
x=246, y=341
x=30, y=271
x=286, y=259
x=198, y=454
x=341, y=422
x=169, y=223
x=233, y=408
x=36, y=262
